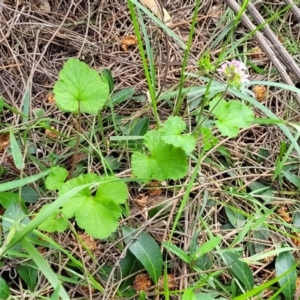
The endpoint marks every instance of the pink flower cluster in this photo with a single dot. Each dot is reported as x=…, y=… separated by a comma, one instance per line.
x=234, y=72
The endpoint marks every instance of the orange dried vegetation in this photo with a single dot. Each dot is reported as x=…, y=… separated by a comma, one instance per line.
x=171, y=282
x=298, y=282
x=127, y=41
x=155, y=188
x=260, y=92
x=255, y=52
x=280, y=38
x=89, y=241
x=296, y=239
x=50, y=98
x=141, y=201
x=284, y=214
x=50, y=133
x=141, y=282
x=4, y=141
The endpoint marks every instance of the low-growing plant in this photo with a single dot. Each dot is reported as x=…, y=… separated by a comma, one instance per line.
x=164, y=155
x=174, y=148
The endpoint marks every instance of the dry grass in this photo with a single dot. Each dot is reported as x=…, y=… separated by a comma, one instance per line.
x=34, y=44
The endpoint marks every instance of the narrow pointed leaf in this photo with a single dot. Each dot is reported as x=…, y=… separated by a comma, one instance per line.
x=285, y=261
x=21, y=182
x=29, y=274
x=206, y=247
x=177, y=251
x=16, y=152
x=4, y=289
x=122, y=95
x=146, y=250
x=240, y=269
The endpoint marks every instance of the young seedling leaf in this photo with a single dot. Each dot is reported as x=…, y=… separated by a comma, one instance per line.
x=202, y=296
x=285, y=261
x=209, y=140
x=165, y=161
x=122, y=95
x=237, y=220
x=231, y=116
x=55, y=223
x=146, y=250
x=107, y=77
x=177, y=251
x=29, y=274
x=206, y=247
x=56, y=178
x=80, y=88
x=188, y=295
x=98, y=214
x=4, y=289
x=129, y=265
x=171, y=133
x=240, y=269
x=16, y=152
x=139, y=128
x=29, y=194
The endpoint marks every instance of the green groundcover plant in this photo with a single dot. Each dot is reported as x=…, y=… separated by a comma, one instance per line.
x=164, y=153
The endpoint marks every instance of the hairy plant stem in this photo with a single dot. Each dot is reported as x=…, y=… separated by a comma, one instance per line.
x=198, y=127
x=78, y=131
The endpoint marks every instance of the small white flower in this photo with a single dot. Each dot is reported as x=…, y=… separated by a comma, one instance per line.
x=234, y=72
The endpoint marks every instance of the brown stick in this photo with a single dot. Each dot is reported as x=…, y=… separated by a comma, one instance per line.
x=278, y=47
x=155, y=8
x=264, y=44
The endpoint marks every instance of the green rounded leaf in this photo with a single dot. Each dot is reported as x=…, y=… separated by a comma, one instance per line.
x=97, y=214
x=171, y=133
x=55, y=223
x=72, y=206
x=56, y=178
x=80, y=88
x=164, y=162
x=231, y=116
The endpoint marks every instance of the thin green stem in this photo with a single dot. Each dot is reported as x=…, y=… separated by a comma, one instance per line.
x=151, y=85
x=179, y=99
x=198, y=127
x=78, y=131
x=236, y=21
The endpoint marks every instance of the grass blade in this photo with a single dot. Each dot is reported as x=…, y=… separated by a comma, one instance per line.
x=44, y=267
